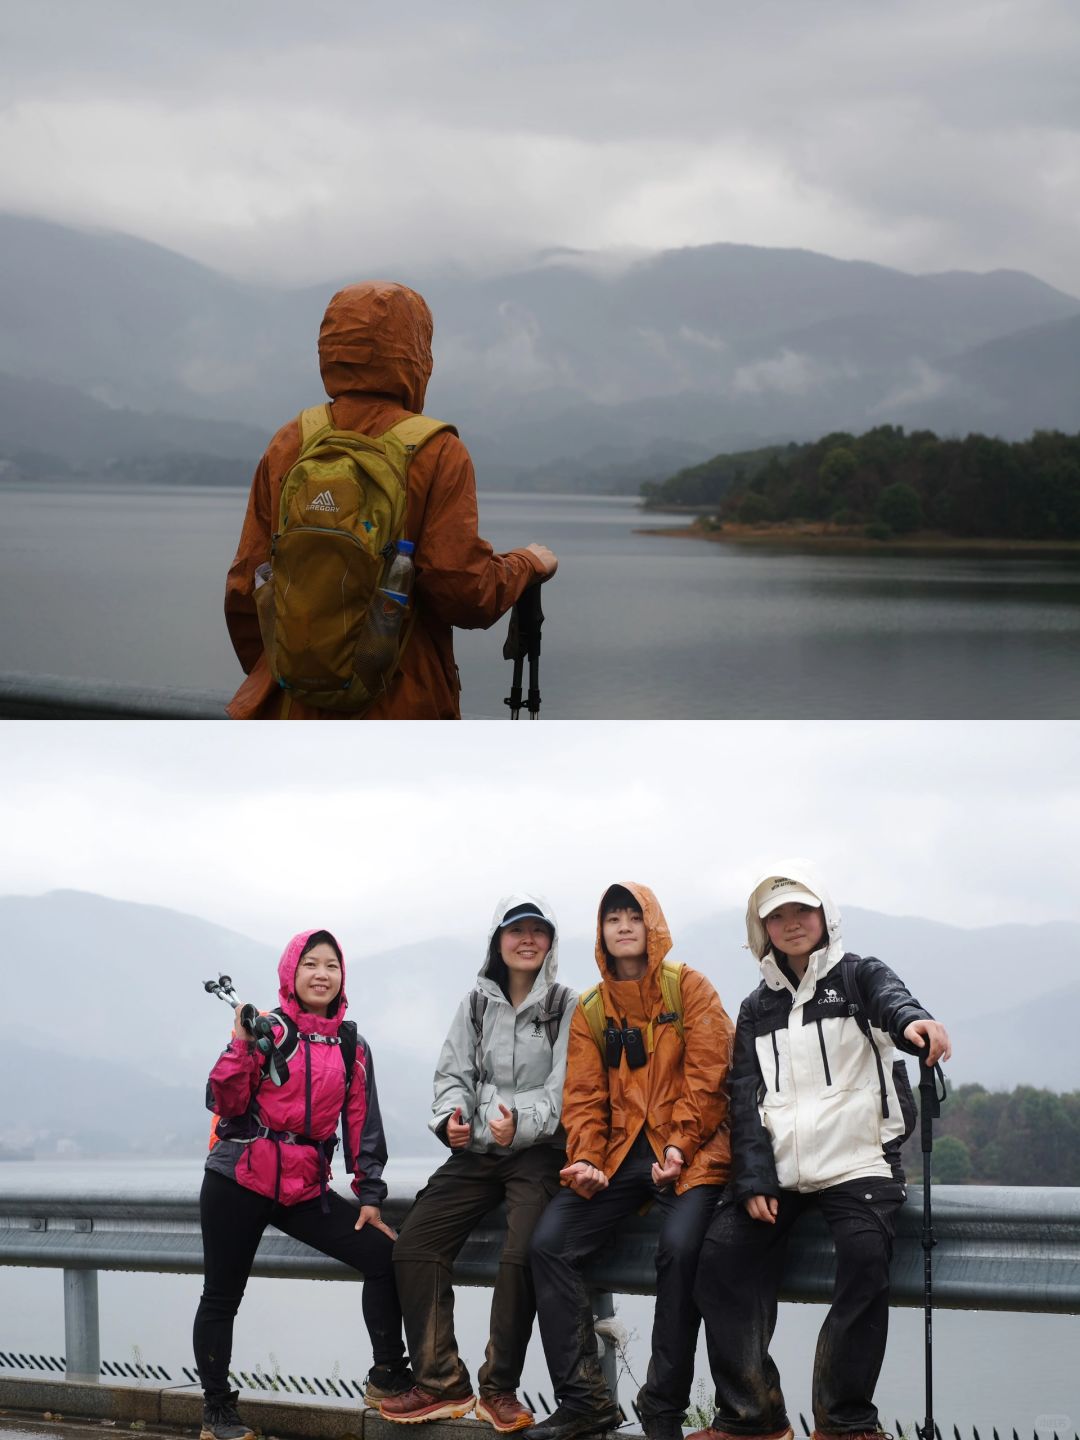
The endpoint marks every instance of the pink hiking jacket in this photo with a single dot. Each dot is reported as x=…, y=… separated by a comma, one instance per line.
x=309, y=1104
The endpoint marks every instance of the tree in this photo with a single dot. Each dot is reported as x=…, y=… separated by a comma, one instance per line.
x=753, y=509
x=900, y=508
x=951, y=1163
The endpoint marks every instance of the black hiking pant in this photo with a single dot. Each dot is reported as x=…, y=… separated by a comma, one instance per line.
x=455, y=1199
x=570, y=1231
x=233, y=1220
x=742, y=1262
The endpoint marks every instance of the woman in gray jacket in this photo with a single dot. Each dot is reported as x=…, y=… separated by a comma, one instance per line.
x=498, y=1102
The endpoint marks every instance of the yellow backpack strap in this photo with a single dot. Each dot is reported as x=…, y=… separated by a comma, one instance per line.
x=671, y=998
x=417, y=430
x=671, y=991
x=592, y=1006
x=313, y=421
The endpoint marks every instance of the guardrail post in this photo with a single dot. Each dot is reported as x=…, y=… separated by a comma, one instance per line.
x=82, y=1340
x=603, y=1308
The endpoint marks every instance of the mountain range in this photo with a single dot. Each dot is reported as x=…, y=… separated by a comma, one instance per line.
x=110, y=1043
x=569, y=372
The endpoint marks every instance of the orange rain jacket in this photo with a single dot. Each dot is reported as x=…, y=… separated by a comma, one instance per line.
x=680, y=1097
x=375, y=360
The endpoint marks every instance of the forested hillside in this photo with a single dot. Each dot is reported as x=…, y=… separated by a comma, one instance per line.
x=888, y=483
x=1004, y=1137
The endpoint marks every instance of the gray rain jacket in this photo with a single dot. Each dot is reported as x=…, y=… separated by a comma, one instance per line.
x=512, y=1060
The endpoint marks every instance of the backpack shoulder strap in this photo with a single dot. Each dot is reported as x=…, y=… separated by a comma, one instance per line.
x=849, y=972
x=477, y=1005
x=417, y=430
x=671, y=992
x=554, y=1010
x=348, y=1037
x=312, y=422
x=591, y=1005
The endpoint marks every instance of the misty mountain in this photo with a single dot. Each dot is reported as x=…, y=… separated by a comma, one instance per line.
x=42, y=423
x=117, y=1057
x=558, y=373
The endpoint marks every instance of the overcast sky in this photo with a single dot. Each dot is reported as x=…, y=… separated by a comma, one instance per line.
x=391, y=834
x=304, y=143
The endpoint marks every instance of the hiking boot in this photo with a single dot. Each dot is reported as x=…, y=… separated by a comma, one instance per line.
x=383, y=1381
x=569, y=1424
x=710, y=1434
x=417, y=1404
x=661, y=1427
x=504, y=1411
x=221, y=1419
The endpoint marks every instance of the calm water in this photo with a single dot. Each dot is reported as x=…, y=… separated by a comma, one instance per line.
x=990, y=1369
x=126, y=584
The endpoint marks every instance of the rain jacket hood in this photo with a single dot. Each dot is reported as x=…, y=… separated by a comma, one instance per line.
x=823, y=959
x=657, y=945
x=375, y=339
x=312, y=1024
x=545, y=976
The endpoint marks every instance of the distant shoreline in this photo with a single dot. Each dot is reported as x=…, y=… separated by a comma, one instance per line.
x=817, y=535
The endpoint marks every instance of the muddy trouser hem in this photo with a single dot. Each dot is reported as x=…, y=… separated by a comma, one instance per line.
x=233, y=1220
x=572, y=1229
x=455, y=1199
x=742, y=1263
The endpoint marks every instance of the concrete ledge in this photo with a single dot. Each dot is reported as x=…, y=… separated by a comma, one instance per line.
x=178, y=1411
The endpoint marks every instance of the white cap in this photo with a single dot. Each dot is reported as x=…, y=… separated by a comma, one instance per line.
x=779, y=890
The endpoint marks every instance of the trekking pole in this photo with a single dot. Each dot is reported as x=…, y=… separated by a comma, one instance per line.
x=930, y=1099
x=258, y=1026
x=523, y=642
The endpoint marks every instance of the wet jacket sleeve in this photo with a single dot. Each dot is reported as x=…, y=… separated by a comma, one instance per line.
x=455, y=1074
x=541, y=1117
x=363, y=1136
x=753, y=1169
x=889, y=1004
x=234, y=1079
x=707, y=1035
x=252, y=551
x=458, y=574
x=586, y=1111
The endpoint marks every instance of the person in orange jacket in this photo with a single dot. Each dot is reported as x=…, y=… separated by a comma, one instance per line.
x=646, y=1121
x=375, y=360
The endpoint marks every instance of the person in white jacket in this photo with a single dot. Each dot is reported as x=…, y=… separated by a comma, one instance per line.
x=497, y=1105
x=820, y=1106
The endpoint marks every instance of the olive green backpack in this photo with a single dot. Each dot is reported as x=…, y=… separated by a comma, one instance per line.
x=341, y=513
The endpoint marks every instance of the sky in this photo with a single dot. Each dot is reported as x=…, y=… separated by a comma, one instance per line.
x=400, y=833
x=297, y=144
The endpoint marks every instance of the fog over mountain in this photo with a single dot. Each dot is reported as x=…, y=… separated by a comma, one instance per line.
x=576, y=371
x=113, y=1056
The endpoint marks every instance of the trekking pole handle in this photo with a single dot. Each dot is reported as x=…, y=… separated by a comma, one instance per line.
x=930, y=1098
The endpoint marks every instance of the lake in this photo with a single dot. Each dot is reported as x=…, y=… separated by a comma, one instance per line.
x=126, y=584
x=991, y=1369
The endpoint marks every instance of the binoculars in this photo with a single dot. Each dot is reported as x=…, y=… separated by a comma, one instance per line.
x=257, y=1026
x=628, y=1041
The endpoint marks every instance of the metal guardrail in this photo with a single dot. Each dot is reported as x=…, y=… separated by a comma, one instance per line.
x=998, y=1248
x=59, y=697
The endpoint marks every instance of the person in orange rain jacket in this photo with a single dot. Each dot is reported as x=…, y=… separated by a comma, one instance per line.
x=646, y=1121
x=375, y=360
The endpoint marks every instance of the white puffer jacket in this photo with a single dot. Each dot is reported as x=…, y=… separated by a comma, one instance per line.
x=817, y=1101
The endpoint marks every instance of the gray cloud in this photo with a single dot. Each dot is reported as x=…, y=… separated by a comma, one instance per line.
x=972, y=824
x=270, y=142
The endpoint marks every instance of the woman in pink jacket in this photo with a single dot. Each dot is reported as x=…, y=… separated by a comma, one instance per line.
x=270, y=1165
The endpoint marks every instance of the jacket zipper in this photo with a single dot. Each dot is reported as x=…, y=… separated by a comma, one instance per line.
x=776, y=1058
x=824, y=1057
